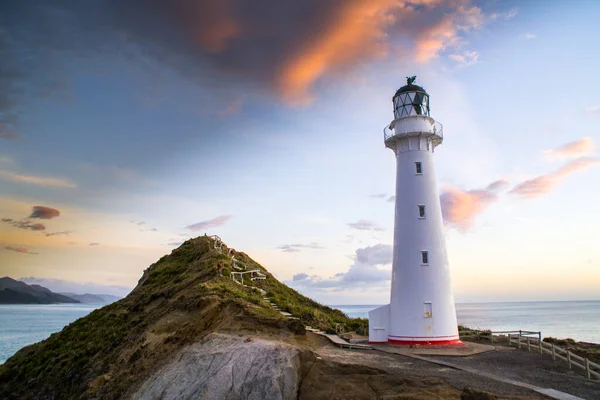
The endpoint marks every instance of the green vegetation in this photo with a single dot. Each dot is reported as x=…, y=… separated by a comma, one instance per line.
x=178, y=301
x=309, y=311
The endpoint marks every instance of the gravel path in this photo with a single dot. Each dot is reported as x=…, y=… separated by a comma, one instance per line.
x=531, y=368
x=409, y=367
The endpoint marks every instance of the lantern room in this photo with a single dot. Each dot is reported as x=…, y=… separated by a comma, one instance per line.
x=410, y=100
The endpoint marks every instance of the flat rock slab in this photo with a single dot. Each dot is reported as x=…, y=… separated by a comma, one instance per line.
x=227, y=367
x=468, y=350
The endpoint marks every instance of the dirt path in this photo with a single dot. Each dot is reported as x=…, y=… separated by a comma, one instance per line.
x=530, y=368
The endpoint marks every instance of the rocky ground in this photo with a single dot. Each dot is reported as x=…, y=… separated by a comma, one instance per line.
x=229, y=366
x=507, y=363
x=531, y=368
x=450, y=382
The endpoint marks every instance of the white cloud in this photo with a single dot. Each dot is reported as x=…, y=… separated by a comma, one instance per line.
x=369, y=267
x=466, y=58
x=529, y=36
x=593, y=110
x=365, y=225
x=37, y=180
x=505, y=15
x=294, y=248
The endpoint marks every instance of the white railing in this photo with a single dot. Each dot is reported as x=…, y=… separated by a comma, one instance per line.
x=437, y=133
x=591, y=368
x=218, y=242
x=532, y=341
x=255, y=275
x=502, y=334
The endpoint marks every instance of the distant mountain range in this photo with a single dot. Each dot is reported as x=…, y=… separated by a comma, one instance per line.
x=89, y=298
x=17, y=292
x=65, y=286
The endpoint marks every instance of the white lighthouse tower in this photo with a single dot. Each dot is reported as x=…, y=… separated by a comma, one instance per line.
x=421, y=309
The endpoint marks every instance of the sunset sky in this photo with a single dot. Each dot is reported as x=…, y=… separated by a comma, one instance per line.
x=127, y=127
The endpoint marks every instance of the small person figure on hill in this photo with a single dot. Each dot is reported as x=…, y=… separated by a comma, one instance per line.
x=219, y=270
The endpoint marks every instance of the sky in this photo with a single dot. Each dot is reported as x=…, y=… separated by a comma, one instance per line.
x=128, y=127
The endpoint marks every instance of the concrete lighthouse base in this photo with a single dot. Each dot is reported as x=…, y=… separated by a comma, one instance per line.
x=379, y=323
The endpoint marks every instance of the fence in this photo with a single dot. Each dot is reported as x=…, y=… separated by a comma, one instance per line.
x=591, y=368
x=533, y=342
x=502, y=334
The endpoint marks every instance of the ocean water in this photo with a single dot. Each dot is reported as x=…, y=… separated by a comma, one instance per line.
x=579, y=320
x=23, y=324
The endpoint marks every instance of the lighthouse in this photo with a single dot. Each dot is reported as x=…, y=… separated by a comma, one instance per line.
x=421, y=309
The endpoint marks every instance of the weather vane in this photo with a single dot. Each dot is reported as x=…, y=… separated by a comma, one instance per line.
x=410, y=79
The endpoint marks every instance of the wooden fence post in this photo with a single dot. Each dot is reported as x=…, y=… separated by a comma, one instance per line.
x=569, y=359
x=540, y=346
x=553, y=352
x=587, y=369
x=528, y=344
x=519, y=341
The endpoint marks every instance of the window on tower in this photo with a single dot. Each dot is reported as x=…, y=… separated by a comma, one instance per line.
x=428, y=310
x=418, y=168
x=421, y=211
x=411, y=103
x=425, y=258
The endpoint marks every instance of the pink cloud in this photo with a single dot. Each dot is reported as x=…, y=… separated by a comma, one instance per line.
x=217, y=221
x=578, y=148
x=460, y=207
x=24, y=224
x=21, y=249
x=544, y=184
x=44, y=212
x=445, y=33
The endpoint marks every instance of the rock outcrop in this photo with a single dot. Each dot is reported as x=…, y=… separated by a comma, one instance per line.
x=227, y=367
x=176, y=335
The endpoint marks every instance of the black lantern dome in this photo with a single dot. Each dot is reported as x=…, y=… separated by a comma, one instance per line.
x=410, y=99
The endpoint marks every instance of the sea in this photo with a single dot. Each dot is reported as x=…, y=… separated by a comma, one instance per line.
x=21, y=325
x=579, y=320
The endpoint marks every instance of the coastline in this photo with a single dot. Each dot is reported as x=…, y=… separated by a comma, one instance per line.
x=575, y=319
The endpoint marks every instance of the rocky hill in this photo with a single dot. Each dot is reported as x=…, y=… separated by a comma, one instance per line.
x=185, y=333
x=16, y=292
x=178, y=310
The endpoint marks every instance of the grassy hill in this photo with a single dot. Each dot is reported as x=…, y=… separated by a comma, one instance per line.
x=178, y=301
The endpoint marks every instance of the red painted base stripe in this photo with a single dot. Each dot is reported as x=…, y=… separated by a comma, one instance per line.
x=448, y=337
x=449, y=343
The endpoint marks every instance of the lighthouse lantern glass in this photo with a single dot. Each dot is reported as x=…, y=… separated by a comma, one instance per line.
x=411, y=103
